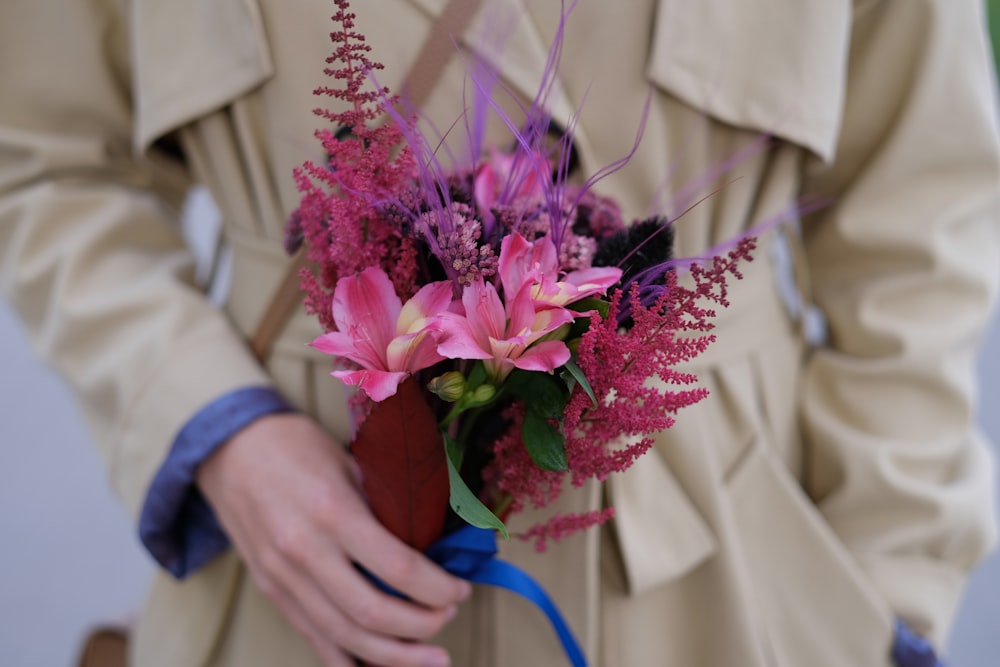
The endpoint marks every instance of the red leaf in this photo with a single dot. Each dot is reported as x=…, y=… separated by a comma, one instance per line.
x=402, y=457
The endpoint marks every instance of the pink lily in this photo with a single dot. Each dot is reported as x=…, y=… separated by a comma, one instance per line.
x=503, y=337
x=522, y=261
x=375, y=330
x=504, y=178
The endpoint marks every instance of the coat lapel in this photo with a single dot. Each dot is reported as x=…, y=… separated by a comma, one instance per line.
x=224, y=55
x=776, y=66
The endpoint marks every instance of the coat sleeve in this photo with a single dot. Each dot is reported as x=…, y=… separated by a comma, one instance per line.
x=90, y=253
x=904, y=266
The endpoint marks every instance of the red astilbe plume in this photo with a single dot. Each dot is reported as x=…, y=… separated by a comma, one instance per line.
x=353, y=68
x=340, y=214
x=564, y=525
x=621, y=366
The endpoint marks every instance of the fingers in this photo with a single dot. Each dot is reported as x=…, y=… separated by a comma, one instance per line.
x=366, y=541
x=404, y=569
x=348, y=527
x=333, y=578
x=292, y=506
x=368, y=643
x=331, y=654
x=371, y=633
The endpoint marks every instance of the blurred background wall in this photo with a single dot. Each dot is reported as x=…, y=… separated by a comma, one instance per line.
x=69, y=557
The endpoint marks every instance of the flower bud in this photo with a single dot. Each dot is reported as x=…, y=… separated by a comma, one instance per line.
x=449, y=386
x=481, y=395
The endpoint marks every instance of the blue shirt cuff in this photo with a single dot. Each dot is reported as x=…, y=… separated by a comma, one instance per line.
x=912, y=650
x=177, y=525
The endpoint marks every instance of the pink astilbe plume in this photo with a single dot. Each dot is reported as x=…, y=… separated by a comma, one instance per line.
x=629, y=409
x=564, y=525
x=353, y=70
x=608, y=435
x=366, y=167
x=619, y=365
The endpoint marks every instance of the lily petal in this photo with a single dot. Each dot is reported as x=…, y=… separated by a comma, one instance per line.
x=545, y=356
x=430, y=300
x=379, y=385
x=484, y=187
x=563, y=293
x=522, y=261
x=360, y=351
x=550, y=319
x=365, y=307
x=508, y=348
x=336, y=343
x=484, y=310
x=413, y=352
x=458, y=340
x=603, y=277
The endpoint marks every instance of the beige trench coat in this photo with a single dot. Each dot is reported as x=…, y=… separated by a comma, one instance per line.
x=786, y=520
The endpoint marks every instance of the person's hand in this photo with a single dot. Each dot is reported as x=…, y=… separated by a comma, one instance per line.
x=289, y=498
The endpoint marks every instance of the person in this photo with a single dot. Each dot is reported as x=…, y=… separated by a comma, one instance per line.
x=822, y=506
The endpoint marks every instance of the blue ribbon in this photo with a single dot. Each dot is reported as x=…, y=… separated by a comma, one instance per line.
x=470, y=553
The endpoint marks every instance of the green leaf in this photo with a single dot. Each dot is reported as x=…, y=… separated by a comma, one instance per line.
x=576, y=374
x=462, y=500
x=477, y=375
x=581, y=325
x=543, y=393
x=591, y=303
x=545, y=443
x=455, y=452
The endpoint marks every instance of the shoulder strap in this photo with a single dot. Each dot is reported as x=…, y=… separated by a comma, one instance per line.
x=438, y=48
x=424, y=73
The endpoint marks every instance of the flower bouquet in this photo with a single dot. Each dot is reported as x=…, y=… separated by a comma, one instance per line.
x=507, y=332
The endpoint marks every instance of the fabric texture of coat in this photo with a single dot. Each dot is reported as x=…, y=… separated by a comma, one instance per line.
x=820, y=491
